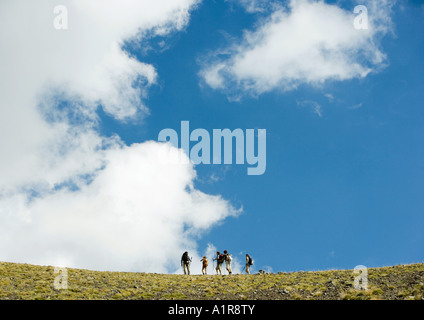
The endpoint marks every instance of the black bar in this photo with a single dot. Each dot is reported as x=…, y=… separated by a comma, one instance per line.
x=211, y=309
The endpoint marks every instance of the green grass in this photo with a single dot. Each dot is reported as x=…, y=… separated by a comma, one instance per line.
x=29, y=282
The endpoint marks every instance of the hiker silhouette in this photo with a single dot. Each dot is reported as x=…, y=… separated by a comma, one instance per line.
x=185, y=263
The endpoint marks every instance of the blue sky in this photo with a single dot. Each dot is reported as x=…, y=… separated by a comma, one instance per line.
x=344, y=177
x=340, y=190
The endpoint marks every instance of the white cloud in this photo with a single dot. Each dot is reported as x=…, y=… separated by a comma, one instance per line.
x=84, y=62
x=329, y=96
x=310, y=42
x=316, y=107
x=356, y=106
x=69, y=196
x=138, y=214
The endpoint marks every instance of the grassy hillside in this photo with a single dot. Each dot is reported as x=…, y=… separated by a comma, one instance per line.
x=23, y=281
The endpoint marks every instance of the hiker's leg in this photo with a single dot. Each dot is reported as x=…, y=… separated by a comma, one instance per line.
x=186, y=269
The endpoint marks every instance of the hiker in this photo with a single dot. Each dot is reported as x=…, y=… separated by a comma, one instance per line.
x=219, y=260
x=185, y=263
x=205, y=265
x=249, y=262
x=228, y=260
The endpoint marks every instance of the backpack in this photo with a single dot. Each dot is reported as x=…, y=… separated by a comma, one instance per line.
x=221, y=258
x=185, y=258
x=250, y=261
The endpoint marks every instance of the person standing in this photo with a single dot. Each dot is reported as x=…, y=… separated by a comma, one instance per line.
x=249, y=262
x=185, y=263
x=219, y=260
x=204, y=265
x=228, y=260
